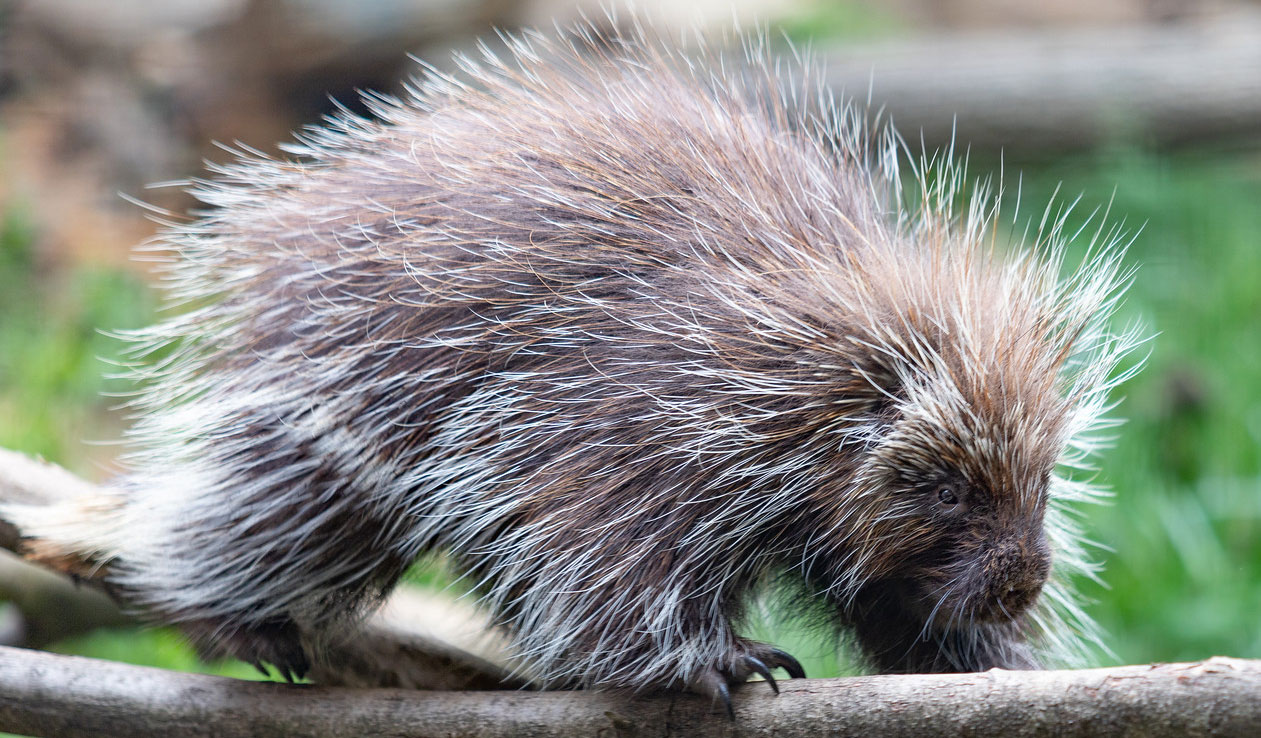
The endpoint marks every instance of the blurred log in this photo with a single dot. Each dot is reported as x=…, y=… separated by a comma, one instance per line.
x=1033, y=92
x=422, y=640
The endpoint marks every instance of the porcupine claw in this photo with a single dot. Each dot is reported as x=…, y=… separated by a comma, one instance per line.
x=714, y=685
x=785, y=661
x=757, y=667
x=276, y=643
x=755, y=658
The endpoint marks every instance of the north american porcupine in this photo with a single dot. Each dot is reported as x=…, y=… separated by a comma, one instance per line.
x=627, y=335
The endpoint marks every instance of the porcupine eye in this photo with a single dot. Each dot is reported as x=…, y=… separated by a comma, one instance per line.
x=947, y=497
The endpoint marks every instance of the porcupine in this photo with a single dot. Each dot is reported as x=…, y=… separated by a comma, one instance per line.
x=627, y=334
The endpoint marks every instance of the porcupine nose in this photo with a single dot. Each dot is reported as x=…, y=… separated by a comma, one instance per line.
x=1019, y=569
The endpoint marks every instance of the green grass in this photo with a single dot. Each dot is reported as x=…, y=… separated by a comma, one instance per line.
x=1184, y=529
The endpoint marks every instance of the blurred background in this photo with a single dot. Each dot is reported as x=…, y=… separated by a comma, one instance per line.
x=1148, y=109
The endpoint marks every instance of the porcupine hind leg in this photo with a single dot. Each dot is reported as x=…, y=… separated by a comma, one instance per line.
x=261, y=564
x=277, y=642
x=897, y=641
x=286, y=608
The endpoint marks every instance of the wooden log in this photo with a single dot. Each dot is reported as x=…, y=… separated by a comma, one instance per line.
x=51, y=695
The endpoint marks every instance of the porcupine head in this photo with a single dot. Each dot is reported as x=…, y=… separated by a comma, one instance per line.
x=629, y=334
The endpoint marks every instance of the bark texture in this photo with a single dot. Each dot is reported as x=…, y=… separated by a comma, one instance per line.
x=50, y=695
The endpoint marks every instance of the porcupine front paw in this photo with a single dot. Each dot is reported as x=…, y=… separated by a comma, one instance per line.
x=746, y=659
x=277, y=642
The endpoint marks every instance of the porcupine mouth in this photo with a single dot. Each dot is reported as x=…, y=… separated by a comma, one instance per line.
x=979, y=602
x=1010, y=605
x=998, y=586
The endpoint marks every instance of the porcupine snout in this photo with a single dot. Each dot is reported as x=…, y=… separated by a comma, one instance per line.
x=1015, y=570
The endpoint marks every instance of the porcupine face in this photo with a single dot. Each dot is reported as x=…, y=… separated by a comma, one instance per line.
x=964, y=486
x=986, y=563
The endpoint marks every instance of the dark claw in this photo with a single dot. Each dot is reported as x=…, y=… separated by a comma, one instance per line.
x=749, y=658
x=724, y=694
x=788, y=663
x=714, y=685
x=760, y=669
x=262, y=668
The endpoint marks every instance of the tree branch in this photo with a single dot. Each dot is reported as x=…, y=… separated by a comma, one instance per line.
x=49, y=607
x=47, y=694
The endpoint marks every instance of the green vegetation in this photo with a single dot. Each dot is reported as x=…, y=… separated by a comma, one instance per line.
x=1184, y=529
x=1185, y=526
x=161, y=647
x=51, y=345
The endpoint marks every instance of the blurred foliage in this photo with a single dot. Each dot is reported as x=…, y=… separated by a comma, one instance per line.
x=1183, y=534
x=1184, y=569
x=51, y=343
x=165, y=648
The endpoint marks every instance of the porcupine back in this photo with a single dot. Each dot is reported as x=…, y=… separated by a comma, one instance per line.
x=615, y=329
